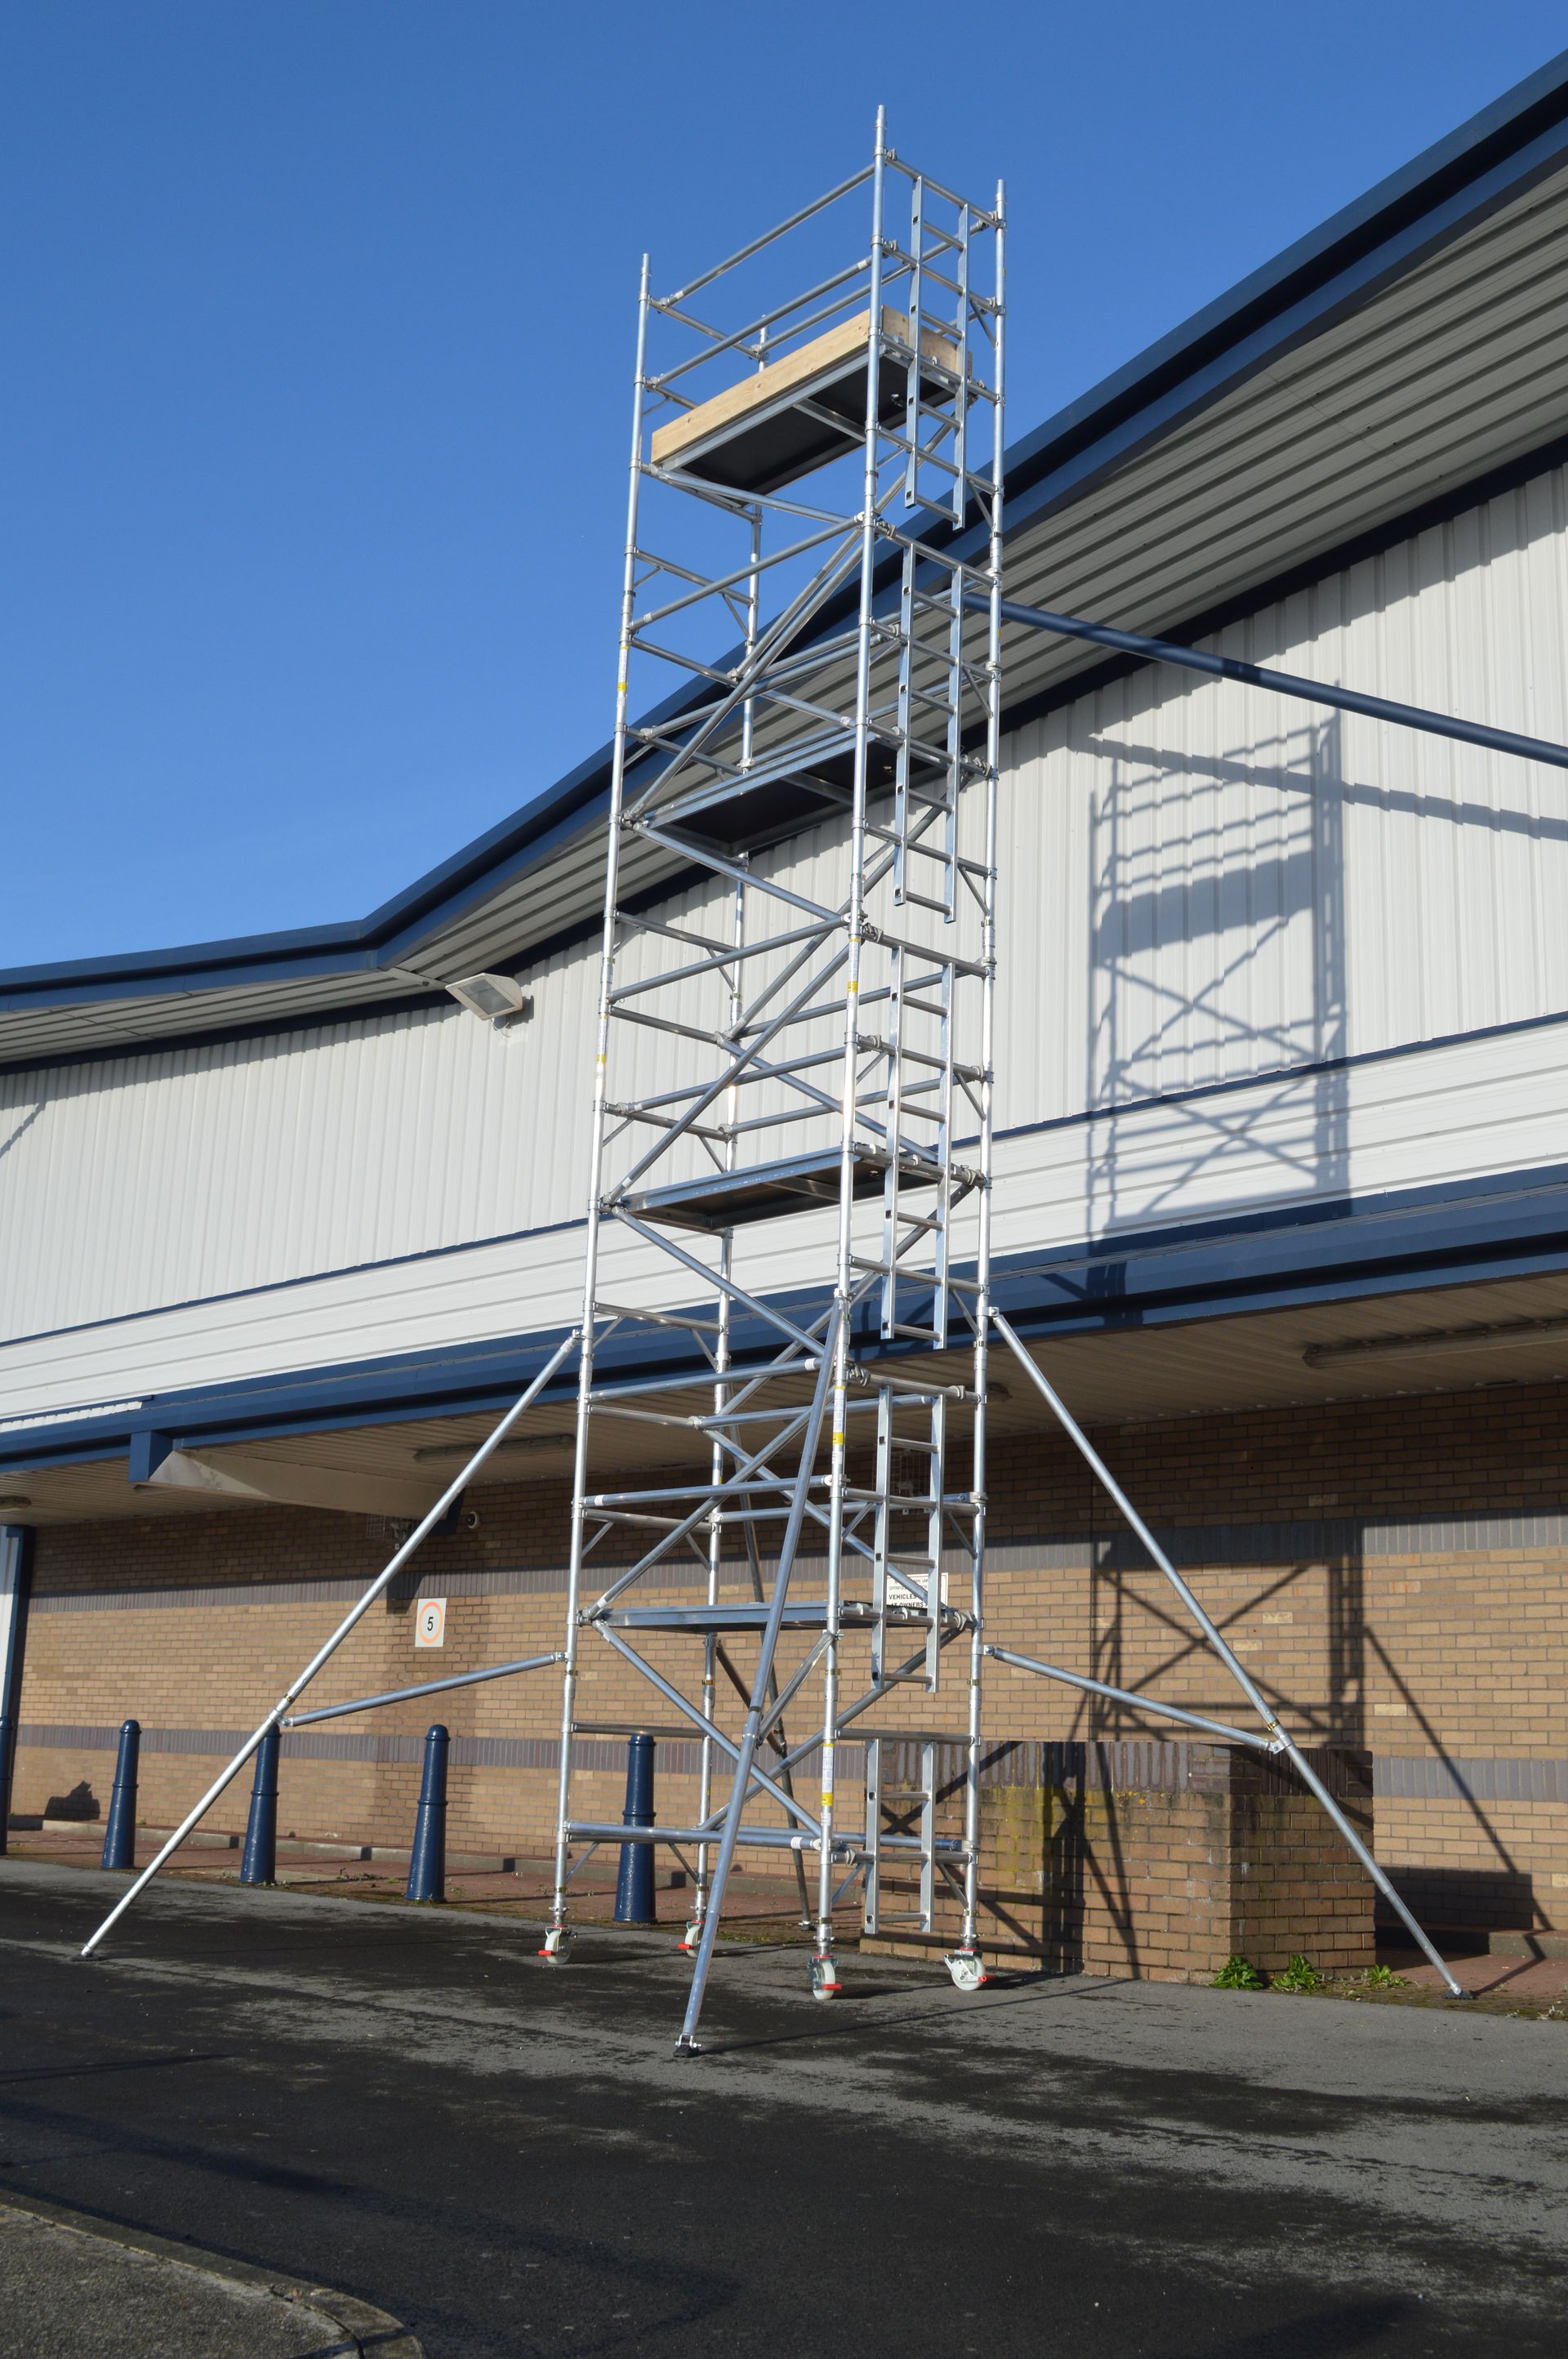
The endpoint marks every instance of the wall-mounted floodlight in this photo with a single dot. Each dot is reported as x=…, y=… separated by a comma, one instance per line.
x=498, y=998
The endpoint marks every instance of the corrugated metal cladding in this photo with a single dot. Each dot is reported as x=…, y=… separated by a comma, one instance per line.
x=1452, y=371
x=1203, y=885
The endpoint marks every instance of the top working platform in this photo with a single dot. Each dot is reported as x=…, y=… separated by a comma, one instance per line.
x=798, y=413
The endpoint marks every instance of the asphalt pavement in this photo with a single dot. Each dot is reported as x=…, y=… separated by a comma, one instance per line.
x=407, y=2105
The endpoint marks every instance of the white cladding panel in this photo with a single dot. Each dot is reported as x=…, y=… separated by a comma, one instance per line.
x=1202, y=881
x=1202, y=885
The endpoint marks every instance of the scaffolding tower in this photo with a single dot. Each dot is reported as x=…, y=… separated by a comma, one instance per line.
x=787, y=1306
x=807, y=1049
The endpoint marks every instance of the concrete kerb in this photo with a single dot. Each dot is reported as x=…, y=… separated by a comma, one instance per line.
x=361, y=2327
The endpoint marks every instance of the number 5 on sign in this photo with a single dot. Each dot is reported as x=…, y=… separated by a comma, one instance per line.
x=431, y=1622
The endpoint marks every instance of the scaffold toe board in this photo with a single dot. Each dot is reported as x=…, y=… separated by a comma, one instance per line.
x=796, y=1613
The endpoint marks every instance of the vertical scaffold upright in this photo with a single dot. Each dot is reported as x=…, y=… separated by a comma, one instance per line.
x=789, y=1064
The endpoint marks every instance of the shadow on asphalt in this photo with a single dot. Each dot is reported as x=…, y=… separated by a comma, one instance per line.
x=1345, y=2326
x=114, y=2064
x=948, y=2008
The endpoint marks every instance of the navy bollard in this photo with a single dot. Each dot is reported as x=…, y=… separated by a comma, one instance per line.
x=8, y=1755
x=428, y=1861
x=120, y=1834
x=259, y=1864
x=634, y=1884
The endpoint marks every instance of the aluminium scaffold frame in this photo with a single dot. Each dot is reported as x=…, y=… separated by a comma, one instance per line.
x=864, y=714
x=841, y=1022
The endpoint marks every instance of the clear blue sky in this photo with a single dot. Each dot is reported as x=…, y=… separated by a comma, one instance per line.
x=318, y=320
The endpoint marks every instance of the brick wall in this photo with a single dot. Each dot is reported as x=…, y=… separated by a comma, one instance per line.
x=1392, y=1572
x=1155, y=1861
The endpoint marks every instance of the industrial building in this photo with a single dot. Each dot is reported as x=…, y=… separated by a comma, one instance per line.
x=1279, y=1190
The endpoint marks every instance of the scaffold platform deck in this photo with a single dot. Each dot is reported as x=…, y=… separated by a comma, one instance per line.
x=718, y=1200
x=792, y=415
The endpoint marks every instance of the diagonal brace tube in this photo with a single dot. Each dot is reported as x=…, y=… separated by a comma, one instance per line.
x=767, y=1649
x=356, y=1615
x=755, y=1303
x=1281, y=1741
x=699, y=1719
x=1125, y=1695
x=688, y=1524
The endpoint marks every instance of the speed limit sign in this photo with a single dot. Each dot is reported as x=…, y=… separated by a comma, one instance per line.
x=431, y=1622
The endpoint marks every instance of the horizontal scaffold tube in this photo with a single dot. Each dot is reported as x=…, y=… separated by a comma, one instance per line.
x=1283, y=683
x=427, y=1687
x=599, y=1830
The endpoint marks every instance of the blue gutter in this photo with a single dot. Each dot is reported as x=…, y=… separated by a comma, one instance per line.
x=1487, y=162
x=1510, y=1225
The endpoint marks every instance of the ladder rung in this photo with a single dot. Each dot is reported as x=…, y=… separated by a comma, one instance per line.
x=931, y=697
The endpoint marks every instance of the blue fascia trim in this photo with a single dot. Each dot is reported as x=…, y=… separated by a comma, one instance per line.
x=1269, y=1076
x=588, y=818
x=1509, y=1224
x=574, y=805
x=1076, y=469
x=1522, y=136
x=242, y=950
x=163, y=982
x=1501, y=1225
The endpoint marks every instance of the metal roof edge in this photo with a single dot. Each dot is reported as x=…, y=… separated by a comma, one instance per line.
x=1521, y=136
x=1429, y=184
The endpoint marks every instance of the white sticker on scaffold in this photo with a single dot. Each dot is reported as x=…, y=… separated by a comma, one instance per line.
x=431, y=1622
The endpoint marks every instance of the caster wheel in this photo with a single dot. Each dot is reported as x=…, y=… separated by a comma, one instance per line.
x=825, y=1981
x=968, y=1969
x=692, y=1936
x=558, y=1945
